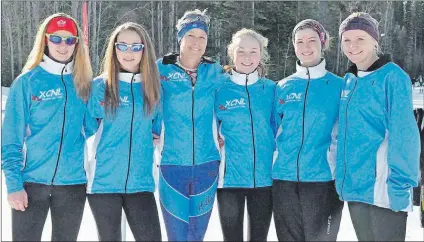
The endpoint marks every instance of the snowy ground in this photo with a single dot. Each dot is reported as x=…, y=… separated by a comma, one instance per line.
x=418, y=97
x=88, y=229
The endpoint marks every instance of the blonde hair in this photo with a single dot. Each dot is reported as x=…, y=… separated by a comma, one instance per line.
x=263, y=43
x=82, y=72
x=148, y=70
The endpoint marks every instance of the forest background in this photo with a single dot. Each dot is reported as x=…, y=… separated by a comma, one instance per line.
x=401, y=28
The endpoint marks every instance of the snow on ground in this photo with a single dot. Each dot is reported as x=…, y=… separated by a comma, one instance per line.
x=418, y=97
x=88, y=230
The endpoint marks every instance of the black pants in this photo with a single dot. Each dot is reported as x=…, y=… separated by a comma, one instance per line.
x=140, y=209
x=305, y=211
x=66, y=205
x=373, y=223
x=231, y=212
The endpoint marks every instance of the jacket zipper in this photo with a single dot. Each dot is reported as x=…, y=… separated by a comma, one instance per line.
x=63, y=124
x=131, y=128
x=347, y=105
x=303, y=123
x=253, y=134
x=192, y=115
x=192, y=107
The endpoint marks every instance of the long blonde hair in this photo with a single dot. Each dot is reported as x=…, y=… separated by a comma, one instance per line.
x=148, y=70
x=82, y=72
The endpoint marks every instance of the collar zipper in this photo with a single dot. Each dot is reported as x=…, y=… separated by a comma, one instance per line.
x=253, y=133
x=131, y=128
x=63, y=123
x=303, y=123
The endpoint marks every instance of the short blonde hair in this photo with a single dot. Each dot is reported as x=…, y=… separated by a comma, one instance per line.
x=263, y=43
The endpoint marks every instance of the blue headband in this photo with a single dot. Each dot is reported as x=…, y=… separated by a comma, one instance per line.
x=189, y=26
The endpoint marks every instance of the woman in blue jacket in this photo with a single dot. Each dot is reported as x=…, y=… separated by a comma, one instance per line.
x=189, y=167
x=306, y=206
x=378, y=151
x=125, y=100
x=244, y=107
x=42, y=134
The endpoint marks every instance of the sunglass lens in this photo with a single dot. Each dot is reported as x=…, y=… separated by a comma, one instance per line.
x=137, y=48
x=122, y=47
x=55, y=39
x=71, y=40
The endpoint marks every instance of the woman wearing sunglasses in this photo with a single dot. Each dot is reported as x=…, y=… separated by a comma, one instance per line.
x=189, y=166
x=124, y=100
x=43, y=139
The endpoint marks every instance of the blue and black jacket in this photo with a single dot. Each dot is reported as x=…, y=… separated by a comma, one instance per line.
x=244, y=112
x=378, y=146
x=42, y=135
x=188, y=112
x=121, y=159
x=306, y=111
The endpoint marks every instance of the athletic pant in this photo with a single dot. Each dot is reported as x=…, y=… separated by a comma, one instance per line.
x=140, y=209
x=66, y=205
x=305, y=211
x=374, y=223
x=187, y=194
x=231, y=212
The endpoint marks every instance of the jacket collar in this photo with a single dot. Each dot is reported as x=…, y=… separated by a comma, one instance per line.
x=171, y=58
x=381, y=61
x=55, y=67
x=240, y=78
x=315, y=72
x=127, y=77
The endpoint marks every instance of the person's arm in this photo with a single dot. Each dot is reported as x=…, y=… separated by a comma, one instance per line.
x=157, y=117
x=273, y=111
x=14, y=127
x=95, y=106
x=278, y=116
x=403, y=141
x=15, y=123
x=332, y=150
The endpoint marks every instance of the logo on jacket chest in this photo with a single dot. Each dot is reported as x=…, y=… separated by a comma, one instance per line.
x=51, y=94
x=175, y=77
x=124, y=101
x=234, y=103
x=292, y=97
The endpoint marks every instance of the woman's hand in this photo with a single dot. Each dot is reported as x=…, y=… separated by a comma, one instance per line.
x=155, y=139
x=220, y=141
x=18, y=200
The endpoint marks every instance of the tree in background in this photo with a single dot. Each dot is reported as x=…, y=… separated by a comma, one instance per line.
x=401, y=26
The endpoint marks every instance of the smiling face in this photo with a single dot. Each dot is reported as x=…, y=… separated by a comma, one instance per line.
x=61, y=52
x=193, y=44
x=307, y=46
x=247, y=54
x=359, y=47
x=129, y=60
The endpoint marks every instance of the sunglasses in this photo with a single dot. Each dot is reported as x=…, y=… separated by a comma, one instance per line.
x=57, y=39
x=134, y=47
